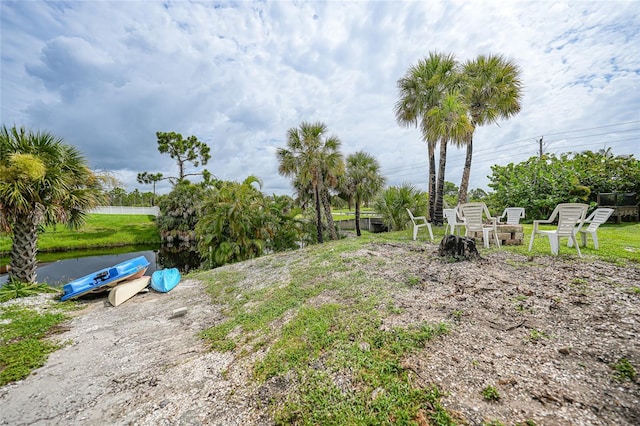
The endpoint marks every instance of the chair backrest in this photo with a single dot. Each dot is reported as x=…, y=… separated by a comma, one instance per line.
x=451, y=215
x=569, y=214
x=597, y=218
x=472, y=214
x=413, y=219
x=513, y=214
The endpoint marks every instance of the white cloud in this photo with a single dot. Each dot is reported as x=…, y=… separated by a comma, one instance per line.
x=107, y=75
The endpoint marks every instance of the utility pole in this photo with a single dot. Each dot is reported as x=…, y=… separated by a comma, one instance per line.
x=540, y=142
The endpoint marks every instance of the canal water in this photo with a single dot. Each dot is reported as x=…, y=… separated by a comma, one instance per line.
x=59, y=272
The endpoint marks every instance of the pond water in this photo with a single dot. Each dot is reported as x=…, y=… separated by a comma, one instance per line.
x=59, y=272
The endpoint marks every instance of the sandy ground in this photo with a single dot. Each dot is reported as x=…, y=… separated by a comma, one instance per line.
x=131, y=364
x=544, y=331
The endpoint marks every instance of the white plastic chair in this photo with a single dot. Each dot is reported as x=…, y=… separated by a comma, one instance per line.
x=595, y=219
x=569, y=215
x=472, y=214
x=419, y=222
x=453, y=226
x=513, y=214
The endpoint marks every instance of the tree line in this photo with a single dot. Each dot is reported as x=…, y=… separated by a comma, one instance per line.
x=44, y=181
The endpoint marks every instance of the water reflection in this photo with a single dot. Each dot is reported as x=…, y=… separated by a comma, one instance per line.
x=59, y=272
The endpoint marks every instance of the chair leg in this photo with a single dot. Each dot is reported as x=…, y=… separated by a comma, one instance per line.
x=531, y=240
x=485, y=237
x=415, y=232
x=583, y=237
x=594, y=237
x=575, y=241
x=553, y=241
x=495, y=233
x=430, y=231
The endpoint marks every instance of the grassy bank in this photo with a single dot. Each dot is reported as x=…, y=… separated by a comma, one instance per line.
x=101, y=230
x=320, y=324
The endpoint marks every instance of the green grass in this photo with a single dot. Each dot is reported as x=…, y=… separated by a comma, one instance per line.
x=624, y=370
x=490, y=393
x=617, y=243
x=23, y=343
x=318, y=343
x=100, y=230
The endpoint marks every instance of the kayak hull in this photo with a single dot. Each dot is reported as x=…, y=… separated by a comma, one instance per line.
x=125, y=290
x=165, y=280
x=105, y=278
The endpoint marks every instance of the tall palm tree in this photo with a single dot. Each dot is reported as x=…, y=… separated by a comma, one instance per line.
x=493, y=90
x=42, y=182
x=309, y=153
x=421, y=89
x=362, y=180
x=447, y=122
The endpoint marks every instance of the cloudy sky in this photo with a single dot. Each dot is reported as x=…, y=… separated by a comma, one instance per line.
x=107, y=75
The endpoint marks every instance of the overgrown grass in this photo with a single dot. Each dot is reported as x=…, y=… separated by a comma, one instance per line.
x=23, y=343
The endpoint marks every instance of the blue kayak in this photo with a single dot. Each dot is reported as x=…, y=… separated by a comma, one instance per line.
x=105, y=278
x=165, y=280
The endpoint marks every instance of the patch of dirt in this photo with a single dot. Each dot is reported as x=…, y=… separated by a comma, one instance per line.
x=543, y=331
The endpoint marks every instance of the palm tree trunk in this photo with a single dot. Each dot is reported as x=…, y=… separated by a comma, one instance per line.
x=24, y=249
x=432, y=181
x=438, y=218
x=327, y=212
x=358, y=233
x=316, y=196
x=464, y=184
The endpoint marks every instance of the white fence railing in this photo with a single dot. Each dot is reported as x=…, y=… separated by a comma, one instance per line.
x=154, y=211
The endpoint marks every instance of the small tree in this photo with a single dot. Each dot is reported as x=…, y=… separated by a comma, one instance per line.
x=362, y=180
x=238, y=223
x=394, y=201
x=179, y=212
x=42, y=182
x=311, y=156
x=184, y=151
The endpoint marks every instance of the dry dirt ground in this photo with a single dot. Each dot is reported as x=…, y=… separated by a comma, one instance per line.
x=543, y=331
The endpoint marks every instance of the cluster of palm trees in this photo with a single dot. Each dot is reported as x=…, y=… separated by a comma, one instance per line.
x=316, y=165
x=447, y=100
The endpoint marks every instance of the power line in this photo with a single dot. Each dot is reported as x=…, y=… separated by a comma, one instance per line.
x=460, y=162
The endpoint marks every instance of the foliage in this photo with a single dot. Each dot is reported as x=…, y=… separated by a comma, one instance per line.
x=179, y=212
x=447, y=100
x=450, y=195
x=22, y=344
x=542, y=183
x=119, y=197
x=624, y=370
x=423, y=89
x=314, y=161
x=238, y=223
x=362, y=181
x=42, y=182
x=189, y=150
x=394, y=201
x=16, y=289
x=493, y=90
x=490, y=393
x=477, y=194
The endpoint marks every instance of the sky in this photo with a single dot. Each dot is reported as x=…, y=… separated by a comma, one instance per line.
x=105, y=76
